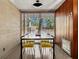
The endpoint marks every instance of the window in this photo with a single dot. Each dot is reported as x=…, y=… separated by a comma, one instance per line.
x=39, y=22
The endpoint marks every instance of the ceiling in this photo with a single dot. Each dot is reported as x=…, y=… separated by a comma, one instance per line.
x=27, y=5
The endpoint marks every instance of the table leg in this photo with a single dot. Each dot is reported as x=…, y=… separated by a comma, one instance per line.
x=53, y=49
x=21, y=49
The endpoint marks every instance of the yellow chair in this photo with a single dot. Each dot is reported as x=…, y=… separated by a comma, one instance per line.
x=45, y=44
x=28, y=44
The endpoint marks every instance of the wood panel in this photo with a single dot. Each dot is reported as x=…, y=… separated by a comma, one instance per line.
x=75, y=30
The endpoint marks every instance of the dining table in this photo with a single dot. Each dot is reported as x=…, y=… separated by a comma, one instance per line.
x=37, y=37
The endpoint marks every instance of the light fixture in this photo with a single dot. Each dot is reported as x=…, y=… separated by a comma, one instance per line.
x=37, y=3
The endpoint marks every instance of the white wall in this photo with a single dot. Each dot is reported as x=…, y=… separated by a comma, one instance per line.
x=9, y=26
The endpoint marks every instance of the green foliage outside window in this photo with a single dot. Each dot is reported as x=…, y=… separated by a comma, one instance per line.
x=47, y=22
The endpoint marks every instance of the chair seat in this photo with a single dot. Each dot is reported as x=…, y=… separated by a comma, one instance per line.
x=28, y=44
x=46, y=44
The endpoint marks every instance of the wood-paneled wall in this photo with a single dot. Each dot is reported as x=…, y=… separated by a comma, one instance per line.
x=65, y=16
x=64, y=23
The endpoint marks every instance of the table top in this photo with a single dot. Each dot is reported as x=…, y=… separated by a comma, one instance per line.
x=33, y=35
